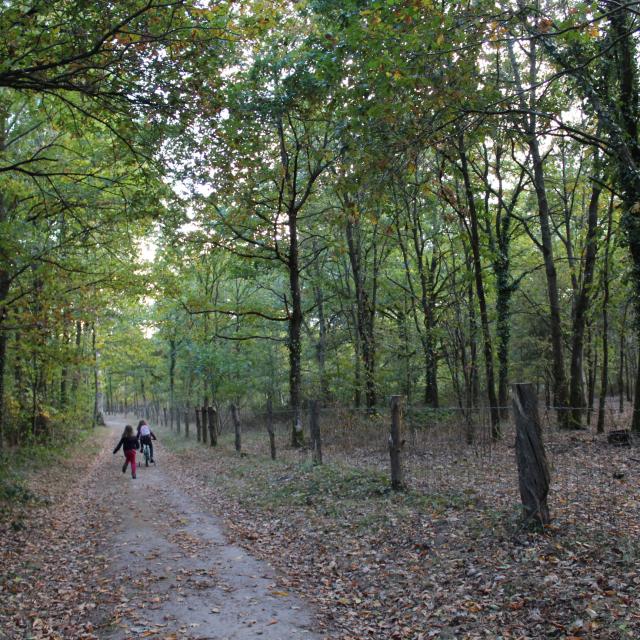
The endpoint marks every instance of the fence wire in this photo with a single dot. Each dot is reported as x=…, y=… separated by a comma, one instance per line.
x=451, y=451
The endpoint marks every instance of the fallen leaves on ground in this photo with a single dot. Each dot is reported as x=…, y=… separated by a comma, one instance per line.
x=446, y=559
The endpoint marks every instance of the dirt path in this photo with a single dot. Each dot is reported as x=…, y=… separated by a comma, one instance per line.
x=178, y=576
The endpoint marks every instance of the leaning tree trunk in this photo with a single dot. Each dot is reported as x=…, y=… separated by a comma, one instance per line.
x=533, y=469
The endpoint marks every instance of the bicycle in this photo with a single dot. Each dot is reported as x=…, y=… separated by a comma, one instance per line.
x=146, y=452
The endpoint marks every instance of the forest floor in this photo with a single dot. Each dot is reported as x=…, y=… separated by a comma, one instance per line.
x=447, y=558
x=98, y=554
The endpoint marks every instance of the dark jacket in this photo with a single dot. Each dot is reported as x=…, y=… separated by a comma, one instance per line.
x=127, y=443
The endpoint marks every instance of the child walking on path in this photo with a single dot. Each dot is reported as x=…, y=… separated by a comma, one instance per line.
x=129, y=444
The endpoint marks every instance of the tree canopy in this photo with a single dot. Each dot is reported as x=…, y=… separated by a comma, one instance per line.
x=204, y=202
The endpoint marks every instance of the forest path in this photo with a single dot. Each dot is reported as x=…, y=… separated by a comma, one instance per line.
x=177, y=576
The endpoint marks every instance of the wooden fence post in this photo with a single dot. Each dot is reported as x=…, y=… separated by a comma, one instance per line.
x=212, y=414
x=186, y=423
x=204, y=425
x=314, y=428
x=533, y=470
x=236, y=426
x=396, y=443
x=272, y=435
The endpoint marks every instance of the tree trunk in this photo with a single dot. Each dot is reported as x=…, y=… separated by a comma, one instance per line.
x=555, y=321
x=172, y=375
x=533, y=470
x=321, y=345
x=544, y=217
x=98, y=413
x=295, y=329
x=396, y=443
x=482, y=303
x=236, y=427
x=204, y=414
x=212, y=416
x=576, y=391
x=621, y=365
x=364, y=313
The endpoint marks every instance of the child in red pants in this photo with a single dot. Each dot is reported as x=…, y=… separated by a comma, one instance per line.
x=129, y=443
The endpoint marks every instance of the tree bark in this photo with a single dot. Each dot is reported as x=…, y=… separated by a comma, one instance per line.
x=482, y=303
x=172, y=375
x=546, y=243
x=321, y=345
x=365, y=313
x=576, y=391
x=236, y=428
x=533, y=470
x=204, y=414
x=295, y=331
x=212, y=416
x=98, y=412
x=396, y=443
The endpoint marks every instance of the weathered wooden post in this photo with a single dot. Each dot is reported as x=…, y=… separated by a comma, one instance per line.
x=204, y=425
x=186, y=423
x=197, y=424
x=212, y=414
x=272, y=435
x=236, y=426
x=396, y=443
x=314, y=428
x=533, y=470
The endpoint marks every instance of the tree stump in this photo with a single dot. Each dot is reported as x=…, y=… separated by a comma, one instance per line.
x=314, y=428
x=620, y=438
x=533, y=470
x=396, y=443
x=236, y=426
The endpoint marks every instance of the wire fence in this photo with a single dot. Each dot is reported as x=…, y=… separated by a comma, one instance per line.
x=452, y=451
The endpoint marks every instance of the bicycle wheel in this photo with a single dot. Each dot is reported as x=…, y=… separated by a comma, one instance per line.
x=147, y=455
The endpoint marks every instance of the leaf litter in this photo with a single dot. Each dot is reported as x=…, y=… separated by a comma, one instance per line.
x=445, y=559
